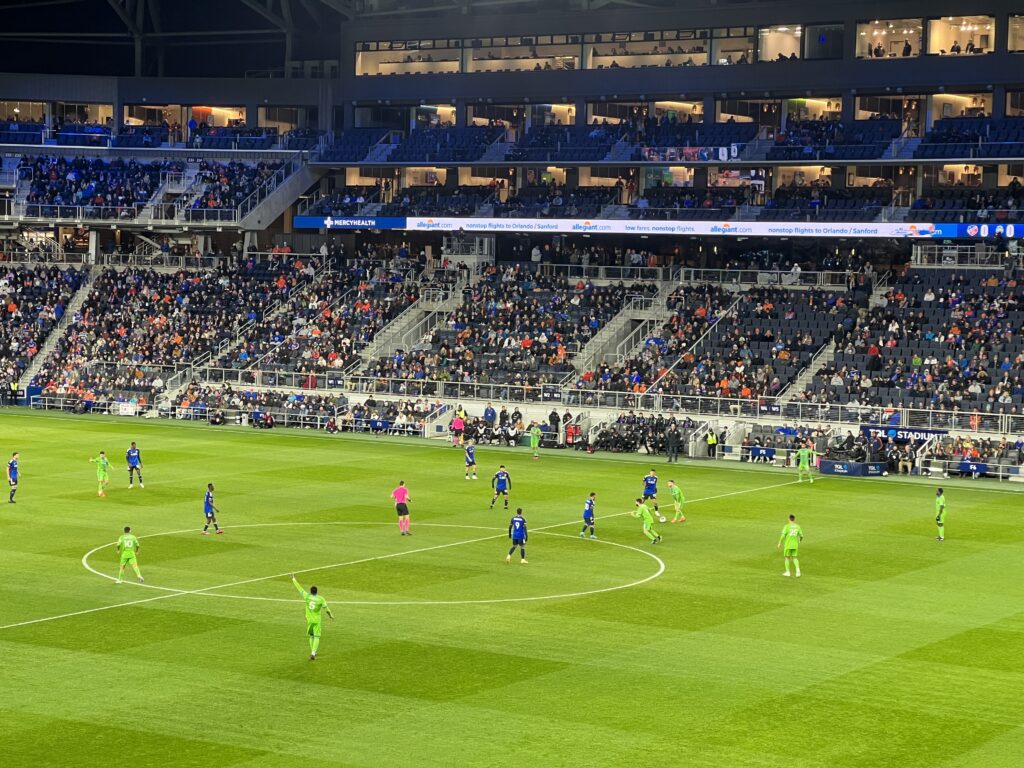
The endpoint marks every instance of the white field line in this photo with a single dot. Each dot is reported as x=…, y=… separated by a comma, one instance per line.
x=168, y=595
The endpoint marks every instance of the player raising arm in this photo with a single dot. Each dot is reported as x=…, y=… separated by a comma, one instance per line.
x=12, y=477
x=134, y=460
x=517, y=533
x=792, y=535
x=316, y=606
x=210, y=511
x=502, y=484
x=588, y=516
x=128, y=547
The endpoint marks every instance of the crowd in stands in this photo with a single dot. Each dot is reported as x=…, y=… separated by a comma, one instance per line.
x=264, y=409
x=139, y=318
x=437, y=201
x=32, y=302
x=446, y=144
x=512, y=327
x=570, y=143
x=956, y=204
x=821, y=202
x=942, y=341
x=834, y=140
x=344, y=202
x=228, y=184
x=554, y=201
x=634, y=431
x=336, y=320
x=686, y=203
x=105, y=189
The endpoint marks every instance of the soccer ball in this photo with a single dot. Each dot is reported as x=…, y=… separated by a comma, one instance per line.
x=885, y=473
x=662, y=518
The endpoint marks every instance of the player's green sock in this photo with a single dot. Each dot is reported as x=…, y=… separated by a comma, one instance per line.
x=314, y=644
x=120, y=573
x=135, y=567
x=796, y=564
x=786, y=561
x=650, y=533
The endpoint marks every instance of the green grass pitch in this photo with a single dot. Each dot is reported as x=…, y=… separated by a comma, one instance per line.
x=892, y=649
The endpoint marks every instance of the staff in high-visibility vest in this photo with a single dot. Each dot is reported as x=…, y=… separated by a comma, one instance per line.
x=712, y=439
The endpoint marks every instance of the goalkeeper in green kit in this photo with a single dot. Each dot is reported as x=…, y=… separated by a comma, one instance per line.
x=804, y=457
x=315, y=607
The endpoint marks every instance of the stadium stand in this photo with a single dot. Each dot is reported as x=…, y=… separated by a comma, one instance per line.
x=446, y=145
x=566, y=143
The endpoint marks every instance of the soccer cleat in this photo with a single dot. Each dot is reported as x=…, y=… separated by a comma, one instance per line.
x=312, y=657
x=582, y=535
x=508, y=558
x=220, y=530
x=593, y=537
x=102, y=494
x=798, y=574
x=940, y=538
x=141, y=580
x=206, y=533
x=130, y=486
x=523, y=562
x=141, y=485
x=118, y=581
x=786, y=573
x=811, y=479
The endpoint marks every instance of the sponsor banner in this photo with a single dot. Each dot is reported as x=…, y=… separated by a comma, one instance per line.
x=758, y=452
x=127, y=409
x=851, y=468
x=642, y=227
x=974, y=467
x=901, y=435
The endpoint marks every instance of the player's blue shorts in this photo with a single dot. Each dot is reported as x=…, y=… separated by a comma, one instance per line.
x=14, y=480
x=588, y=519
x=518, y=542
x=650, y=495
x=208, y=513
x=501, y=490
x=470, y=462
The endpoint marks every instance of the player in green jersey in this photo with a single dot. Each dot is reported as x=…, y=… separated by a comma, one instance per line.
x=940, y=514
x=644, y=513
x=315, y=608
x=792, y=535
x=128, y=548
x=535, y=439
x=804, y=457
x=678, y=500
x=102, y=471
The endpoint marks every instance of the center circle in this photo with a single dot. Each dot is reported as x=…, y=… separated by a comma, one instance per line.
x=214, y=591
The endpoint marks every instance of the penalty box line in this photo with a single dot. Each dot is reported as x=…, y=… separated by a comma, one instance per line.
x=185, y=592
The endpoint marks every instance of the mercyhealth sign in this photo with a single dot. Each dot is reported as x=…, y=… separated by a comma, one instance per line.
x=641, y=227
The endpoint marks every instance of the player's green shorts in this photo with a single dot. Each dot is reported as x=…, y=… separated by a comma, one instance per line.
x=804, y=467
x=678, y=505
x=648, y=526
x=789, y=552
x=313, y=628
x=102, y=476
x=127, y=559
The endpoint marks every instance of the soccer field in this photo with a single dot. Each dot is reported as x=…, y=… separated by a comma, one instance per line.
x=892, y=649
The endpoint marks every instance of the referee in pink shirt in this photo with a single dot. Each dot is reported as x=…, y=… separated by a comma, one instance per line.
x=401, y=497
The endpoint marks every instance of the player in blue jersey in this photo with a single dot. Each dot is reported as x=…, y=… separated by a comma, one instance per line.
x=588, y=516
x=211, y=512
x=517, y=532
x=651, y=489
x=470, y=459
x=502, y=484
x=12, y=477
x=134, y=459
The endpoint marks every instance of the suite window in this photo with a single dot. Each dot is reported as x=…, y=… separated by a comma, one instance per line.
x=524, y=53
x=408, y=57
x=634, y=50
x=889, y=38
x=961, y=35
x=733, y=45
x=781, y=43
x=1016, y=41
x=823, y=41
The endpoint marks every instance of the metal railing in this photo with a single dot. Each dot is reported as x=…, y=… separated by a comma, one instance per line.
x=978, y=256
x=270, y=184
x=787, y=279
x=47, y=212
